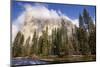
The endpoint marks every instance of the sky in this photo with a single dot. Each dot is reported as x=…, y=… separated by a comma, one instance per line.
x=72, y=11
x=46, y=10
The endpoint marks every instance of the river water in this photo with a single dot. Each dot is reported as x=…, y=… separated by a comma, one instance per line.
x=25, y=61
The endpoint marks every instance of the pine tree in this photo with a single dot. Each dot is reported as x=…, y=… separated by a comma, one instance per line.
x=84, y=33
x=90, y=25
x=75, y=42
x=34, y=47
x=21, y=44
x=40, y=43
x=86, y=16
x=81, y=21
x=83, y=41
x=64, y=39
x=92, y=40
x=17, y=45
x=55, y=42
x=58, y=41
x=45, y=47
x=27, y=47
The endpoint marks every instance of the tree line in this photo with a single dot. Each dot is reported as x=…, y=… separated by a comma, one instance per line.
x=82, y=42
